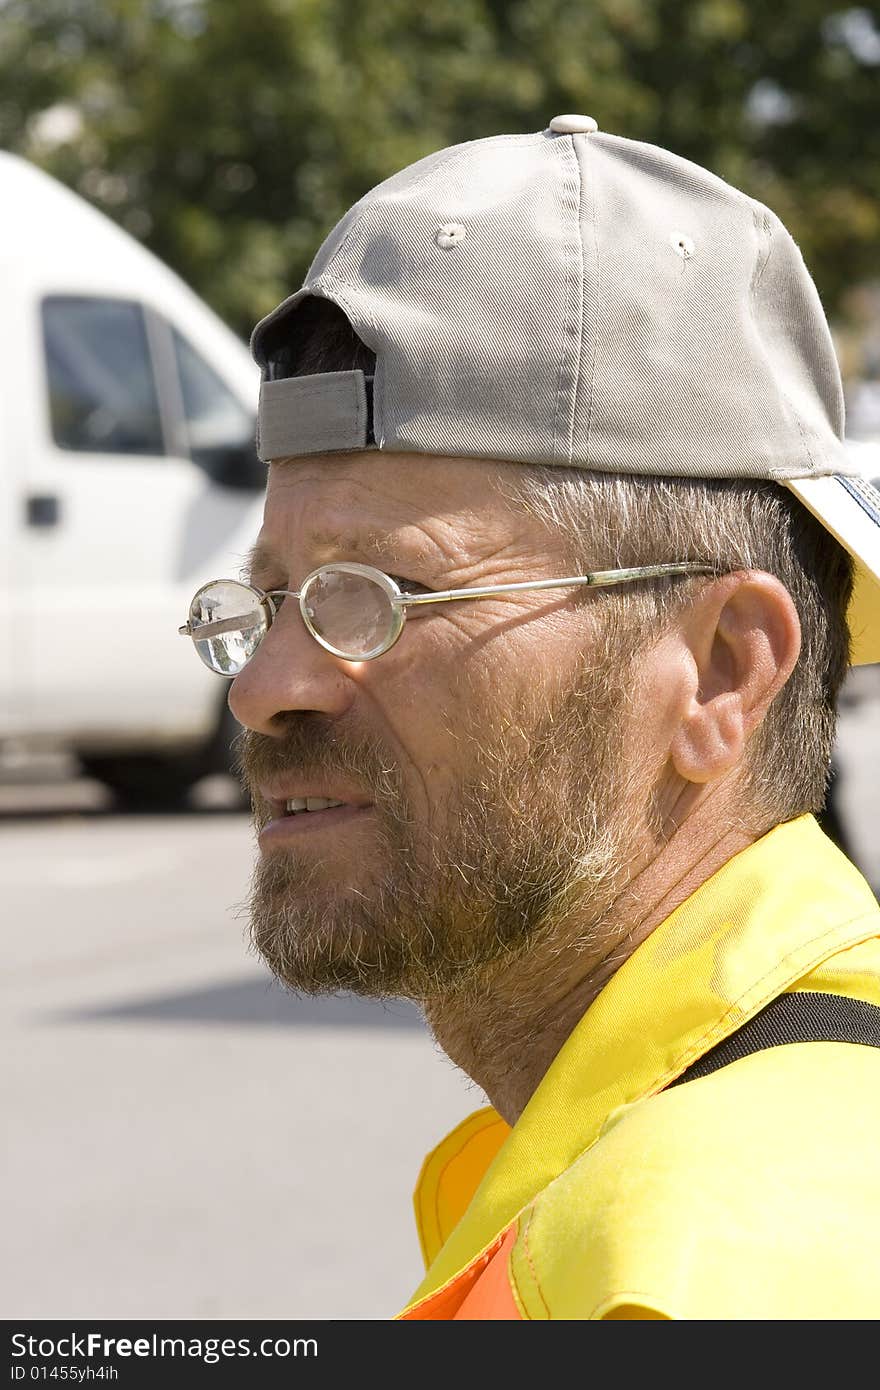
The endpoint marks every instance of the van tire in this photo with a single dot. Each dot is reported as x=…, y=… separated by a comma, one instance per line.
x=144, y=781
x=162, y=781
x=221, y=754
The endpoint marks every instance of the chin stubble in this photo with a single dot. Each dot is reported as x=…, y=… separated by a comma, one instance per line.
x=531, y=855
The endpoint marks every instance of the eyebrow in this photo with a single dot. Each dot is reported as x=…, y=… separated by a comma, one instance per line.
x=378, y=545
x=260, y=557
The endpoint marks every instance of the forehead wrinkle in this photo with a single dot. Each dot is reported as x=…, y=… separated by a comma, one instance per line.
x=442, y=518
x=379, y=545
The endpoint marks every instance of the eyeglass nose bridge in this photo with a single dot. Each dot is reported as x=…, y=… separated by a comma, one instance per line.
x=266, y=598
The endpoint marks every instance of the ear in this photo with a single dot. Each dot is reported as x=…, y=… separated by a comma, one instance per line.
x=742, y=638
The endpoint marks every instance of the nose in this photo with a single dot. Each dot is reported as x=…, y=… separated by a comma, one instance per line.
x=289, y=672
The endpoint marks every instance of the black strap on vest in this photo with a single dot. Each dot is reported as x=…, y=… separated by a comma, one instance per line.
x=793, y=1018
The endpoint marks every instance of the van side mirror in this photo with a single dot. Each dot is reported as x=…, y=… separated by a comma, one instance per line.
x=235, y=466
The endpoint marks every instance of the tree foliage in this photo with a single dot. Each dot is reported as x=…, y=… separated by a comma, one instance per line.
x=229, y=137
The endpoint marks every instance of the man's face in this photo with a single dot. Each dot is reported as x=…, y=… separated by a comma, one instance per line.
x=484, y=762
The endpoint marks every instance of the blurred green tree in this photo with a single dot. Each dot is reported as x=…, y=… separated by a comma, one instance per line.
x=229, y=137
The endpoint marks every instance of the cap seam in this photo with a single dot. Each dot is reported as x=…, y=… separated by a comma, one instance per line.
x=757, y=276
x=567, y=153
x=595, y=325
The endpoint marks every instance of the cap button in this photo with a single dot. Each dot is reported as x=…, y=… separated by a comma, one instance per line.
x=573, y=125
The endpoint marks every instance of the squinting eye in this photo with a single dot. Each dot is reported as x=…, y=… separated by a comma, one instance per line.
x=409, y=586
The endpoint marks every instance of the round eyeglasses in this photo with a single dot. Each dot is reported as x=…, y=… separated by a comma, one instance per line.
x=354, y=611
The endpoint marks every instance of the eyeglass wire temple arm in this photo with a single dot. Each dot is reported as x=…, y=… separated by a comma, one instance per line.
x=597, y=579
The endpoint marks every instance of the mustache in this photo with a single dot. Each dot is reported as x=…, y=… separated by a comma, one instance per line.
x=314, y=746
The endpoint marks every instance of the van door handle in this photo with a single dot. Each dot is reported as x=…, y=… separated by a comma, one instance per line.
x=43, y=509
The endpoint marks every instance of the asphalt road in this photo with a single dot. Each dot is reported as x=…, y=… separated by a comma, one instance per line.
x=183, y=1139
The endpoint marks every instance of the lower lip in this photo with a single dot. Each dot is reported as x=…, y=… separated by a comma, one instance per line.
x=285, y=829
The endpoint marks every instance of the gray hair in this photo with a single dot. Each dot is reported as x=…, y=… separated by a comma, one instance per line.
x=610, y=520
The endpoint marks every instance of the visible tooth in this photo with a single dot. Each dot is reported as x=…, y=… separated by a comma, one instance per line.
x=295, y=804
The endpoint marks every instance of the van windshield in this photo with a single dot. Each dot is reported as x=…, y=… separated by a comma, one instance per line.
x=216, y=420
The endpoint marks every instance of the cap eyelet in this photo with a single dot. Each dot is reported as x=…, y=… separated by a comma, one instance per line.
x=682, y=245
x=449, y=235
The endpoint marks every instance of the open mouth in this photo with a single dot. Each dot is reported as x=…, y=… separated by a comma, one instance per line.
x=296, y=816
x=308, y=805
x=292, y=816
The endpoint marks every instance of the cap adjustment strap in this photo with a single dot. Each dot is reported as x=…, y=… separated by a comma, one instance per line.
x=328, y=412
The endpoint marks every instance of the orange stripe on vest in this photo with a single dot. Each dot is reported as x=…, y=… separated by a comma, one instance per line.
x=481, y=1292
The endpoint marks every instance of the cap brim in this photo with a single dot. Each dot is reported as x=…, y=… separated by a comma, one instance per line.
x=850, y=509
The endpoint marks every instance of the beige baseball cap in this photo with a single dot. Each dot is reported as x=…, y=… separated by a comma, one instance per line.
x=575, y=298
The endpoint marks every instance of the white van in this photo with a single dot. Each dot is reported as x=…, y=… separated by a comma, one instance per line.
x=128, y=476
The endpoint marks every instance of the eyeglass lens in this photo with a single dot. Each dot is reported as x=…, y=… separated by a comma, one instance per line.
x=349, y=613
x=235, y=621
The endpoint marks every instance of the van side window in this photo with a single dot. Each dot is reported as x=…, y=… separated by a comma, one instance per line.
x=216, y=421
x=102, y=395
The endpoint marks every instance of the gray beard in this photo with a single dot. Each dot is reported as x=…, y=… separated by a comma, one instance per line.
x=532, y=854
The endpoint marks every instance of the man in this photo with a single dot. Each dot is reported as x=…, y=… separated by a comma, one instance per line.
x=562, y=566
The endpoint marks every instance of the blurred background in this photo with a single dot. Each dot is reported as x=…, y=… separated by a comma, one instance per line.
x=183, y=1140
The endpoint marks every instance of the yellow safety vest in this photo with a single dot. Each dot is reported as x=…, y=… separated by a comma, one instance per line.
x=753, y=1192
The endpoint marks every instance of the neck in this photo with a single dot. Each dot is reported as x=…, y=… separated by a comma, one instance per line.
x=505, y=1029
